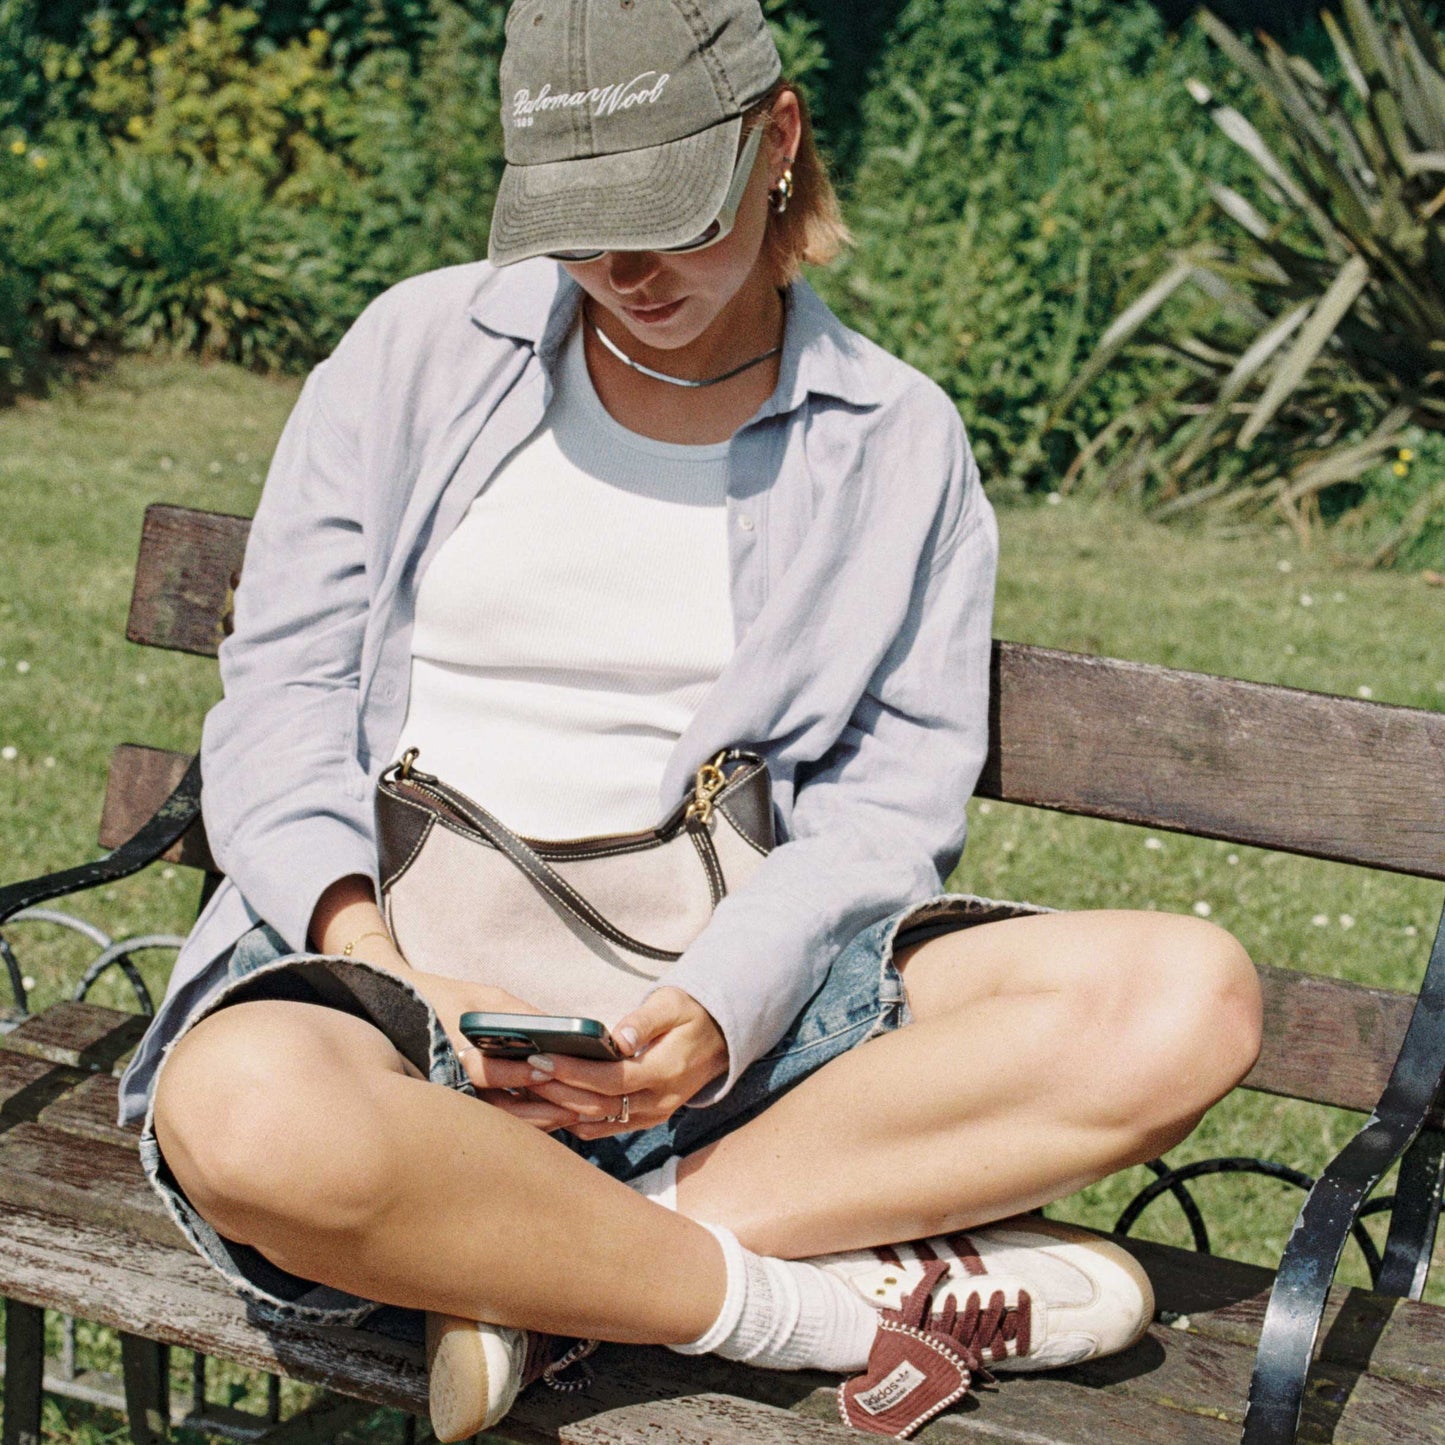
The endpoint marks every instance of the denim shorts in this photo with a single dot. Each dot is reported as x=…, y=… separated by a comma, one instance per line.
x=861, y=998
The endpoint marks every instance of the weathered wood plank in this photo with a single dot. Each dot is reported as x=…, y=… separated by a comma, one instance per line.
x=140, y=779
x=1225, y=1299
x=1328, y=1041
x=90, y=1110
x=27, y=1085
x=74, y=1178
x=185, y=576
x=1275, y=767
x=703, y=1420
x=83, y=1035
x=173, y=1295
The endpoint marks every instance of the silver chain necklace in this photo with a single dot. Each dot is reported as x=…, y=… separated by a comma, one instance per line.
x=623, y=357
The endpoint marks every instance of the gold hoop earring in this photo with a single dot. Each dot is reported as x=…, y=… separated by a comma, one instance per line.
x=781, y=193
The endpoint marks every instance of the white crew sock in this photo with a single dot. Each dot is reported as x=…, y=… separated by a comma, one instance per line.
x=660, y=1184
x=785, y=1315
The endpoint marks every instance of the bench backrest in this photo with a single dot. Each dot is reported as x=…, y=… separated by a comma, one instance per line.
x=1272, y=767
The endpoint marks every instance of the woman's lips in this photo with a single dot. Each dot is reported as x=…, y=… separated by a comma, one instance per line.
x=651, y=315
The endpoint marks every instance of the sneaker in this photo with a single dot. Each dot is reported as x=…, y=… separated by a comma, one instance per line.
x=1025, y=1294
x=475, y=1371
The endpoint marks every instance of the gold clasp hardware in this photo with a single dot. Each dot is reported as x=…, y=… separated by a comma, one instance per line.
x=407, y=759
x=709, y=783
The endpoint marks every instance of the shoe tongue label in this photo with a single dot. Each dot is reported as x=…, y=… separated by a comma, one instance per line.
x=894, y=1387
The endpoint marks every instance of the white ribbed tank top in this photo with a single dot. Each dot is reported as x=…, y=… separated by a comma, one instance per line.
x=568, y=629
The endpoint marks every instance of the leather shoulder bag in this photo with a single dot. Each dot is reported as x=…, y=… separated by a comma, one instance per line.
x=577, y=925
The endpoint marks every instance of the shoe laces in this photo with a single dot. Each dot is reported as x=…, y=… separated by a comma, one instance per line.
x=980, y=1329
x=557, y=1362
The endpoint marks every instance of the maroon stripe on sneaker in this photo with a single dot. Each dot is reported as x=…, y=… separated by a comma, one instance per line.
x=968, y=1256
x=888, y=1255
x=924, y=1251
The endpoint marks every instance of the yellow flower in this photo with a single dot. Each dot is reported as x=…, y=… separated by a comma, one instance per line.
x=39, y=162
x=17, y=148
x=136, y=126
x=1406, y=455
x=1400, y=469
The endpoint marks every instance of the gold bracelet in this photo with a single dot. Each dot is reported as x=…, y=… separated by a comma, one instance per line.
x=373, y=933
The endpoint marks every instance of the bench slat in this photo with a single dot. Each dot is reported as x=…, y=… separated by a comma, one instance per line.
x=1274, y=767
x=717, y=1419
x=90, y=1110
x=138, y=781
x=174, y=1296
x=83, y=1035
x=82, y=1180
x=184, y=578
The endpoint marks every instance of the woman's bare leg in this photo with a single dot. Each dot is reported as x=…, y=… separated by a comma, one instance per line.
x=300, y=1130
x=1046, y=1052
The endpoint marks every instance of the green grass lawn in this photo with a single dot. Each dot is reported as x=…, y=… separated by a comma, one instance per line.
x=77, y=472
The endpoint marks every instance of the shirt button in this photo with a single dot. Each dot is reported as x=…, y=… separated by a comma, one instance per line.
x=745, y=521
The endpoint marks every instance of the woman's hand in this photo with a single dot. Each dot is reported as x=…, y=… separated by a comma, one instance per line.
x=675, y=1048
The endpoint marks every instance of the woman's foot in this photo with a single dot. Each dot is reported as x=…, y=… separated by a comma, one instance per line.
x=1024, y=1294
x=475, y=1371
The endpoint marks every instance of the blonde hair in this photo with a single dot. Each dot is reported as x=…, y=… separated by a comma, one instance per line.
x=811, y=231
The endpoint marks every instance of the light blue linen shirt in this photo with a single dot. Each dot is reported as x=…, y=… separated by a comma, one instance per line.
x=862, y=556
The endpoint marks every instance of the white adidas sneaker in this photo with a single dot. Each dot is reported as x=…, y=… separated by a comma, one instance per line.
x=1086, y=1296
x=1024, y=1294
x=476, y=1371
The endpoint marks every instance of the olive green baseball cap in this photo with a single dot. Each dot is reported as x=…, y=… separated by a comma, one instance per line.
x=621, y=120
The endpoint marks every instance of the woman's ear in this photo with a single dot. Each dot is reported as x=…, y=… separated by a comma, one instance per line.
x=785, y=134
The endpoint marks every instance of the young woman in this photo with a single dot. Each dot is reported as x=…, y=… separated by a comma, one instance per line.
x=570, y=523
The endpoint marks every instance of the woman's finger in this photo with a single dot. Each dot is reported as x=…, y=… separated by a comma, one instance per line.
x=493, y=1073
x=537, y=1112
x=586, y=1105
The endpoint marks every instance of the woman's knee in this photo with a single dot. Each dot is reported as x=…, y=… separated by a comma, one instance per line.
x=1197, y=1017
x=259, y=1111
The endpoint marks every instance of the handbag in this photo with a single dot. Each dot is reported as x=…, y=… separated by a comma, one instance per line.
x=572, y=926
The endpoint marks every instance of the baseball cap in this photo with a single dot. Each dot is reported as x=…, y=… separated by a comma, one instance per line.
x=621, y=120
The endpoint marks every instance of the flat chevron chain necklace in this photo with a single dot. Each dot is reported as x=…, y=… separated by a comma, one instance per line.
x=626, y=360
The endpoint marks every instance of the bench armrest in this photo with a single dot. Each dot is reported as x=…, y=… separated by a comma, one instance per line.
x=1312, y=1256
x=150, y=840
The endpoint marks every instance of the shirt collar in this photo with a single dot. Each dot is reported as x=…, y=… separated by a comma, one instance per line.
x=536, y=302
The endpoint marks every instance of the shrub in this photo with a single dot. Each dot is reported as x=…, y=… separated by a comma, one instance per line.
x=55, y=282
x=1323, y=326
x=1018, y=160
x=208, y=266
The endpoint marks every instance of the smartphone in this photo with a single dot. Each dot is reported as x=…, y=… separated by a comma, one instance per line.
x=515, y=1036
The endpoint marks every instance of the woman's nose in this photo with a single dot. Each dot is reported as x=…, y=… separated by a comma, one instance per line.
x=631, y=270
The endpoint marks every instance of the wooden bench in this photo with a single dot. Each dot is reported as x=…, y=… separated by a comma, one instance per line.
x=1335, y=778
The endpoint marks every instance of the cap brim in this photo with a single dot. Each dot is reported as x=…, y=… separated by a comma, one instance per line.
x=642, y=200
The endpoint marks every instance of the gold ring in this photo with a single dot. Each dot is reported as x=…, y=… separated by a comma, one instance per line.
x=621, y=1117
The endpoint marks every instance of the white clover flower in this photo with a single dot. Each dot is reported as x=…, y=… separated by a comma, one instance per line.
x=22, y=666
x=9, y=752
x=1347, y=920
x=1203, y=909
x=27, y=983
x=1285, y=565
x=50, y=762
x=1054, y=499
x=1305, y=600
x=1321, y=920
x=1410, y=931
x=1365, y=691
x=985, y=807
x=1153, y=844
x=1233, y=860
